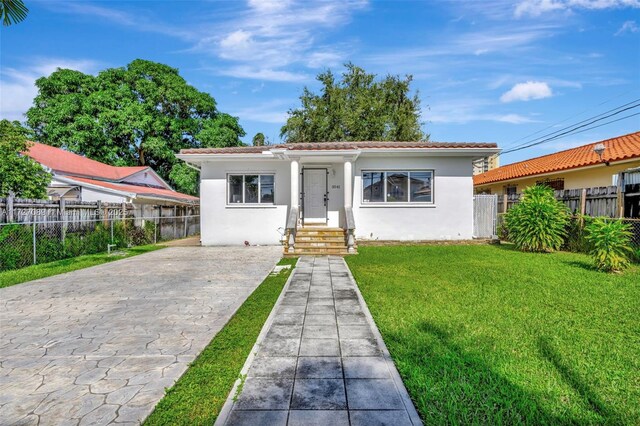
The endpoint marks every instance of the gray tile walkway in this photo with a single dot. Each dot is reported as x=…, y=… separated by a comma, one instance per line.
x=320, y=359
x=100, y=345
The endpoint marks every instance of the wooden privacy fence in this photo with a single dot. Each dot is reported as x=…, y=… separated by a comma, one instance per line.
x=485, y=212
x=19, y=210
x=598, y=201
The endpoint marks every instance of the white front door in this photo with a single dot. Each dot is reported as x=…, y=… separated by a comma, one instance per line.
x=315, y=191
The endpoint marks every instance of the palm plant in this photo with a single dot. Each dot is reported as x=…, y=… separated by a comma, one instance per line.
x=610, y=244
x=538, y=222
x=12, y=11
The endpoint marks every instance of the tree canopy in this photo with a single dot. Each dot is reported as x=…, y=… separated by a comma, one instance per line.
x=358, y=107
x=18, y=173
x=259, y=139
x=141, y=114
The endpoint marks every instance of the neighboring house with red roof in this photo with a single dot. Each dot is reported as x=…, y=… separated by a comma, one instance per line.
x=78, y=178
x=319, y=197
x=592, y=165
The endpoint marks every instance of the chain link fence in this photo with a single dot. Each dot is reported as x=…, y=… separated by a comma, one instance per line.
x=24, y=244
x=634, y=227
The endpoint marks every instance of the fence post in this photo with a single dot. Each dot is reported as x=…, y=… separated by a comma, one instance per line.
x=184, y=217
x=111, y=221
x=33, y=228
x=620, y=198
x=63, y=216
x=99, y=209
x=155, y=230
x=10, y=206
x=583, y=201
x=175, y=222
x=505, y=203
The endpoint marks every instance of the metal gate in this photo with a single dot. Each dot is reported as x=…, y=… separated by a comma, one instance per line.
x=485, y=215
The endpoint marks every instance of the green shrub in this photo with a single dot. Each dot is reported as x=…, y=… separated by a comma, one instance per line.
x=610, y=242
x=538, y=222
x=16, y=246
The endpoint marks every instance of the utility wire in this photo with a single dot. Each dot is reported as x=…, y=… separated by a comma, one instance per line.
x=598, y=117
x=553, y=136
x=600, y=125
x=566, y=119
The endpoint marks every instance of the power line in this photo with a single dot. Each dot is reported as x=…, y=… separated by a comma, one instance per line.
x=600, y=125
x=566, y=119
x=572, y=130
x=597, y=117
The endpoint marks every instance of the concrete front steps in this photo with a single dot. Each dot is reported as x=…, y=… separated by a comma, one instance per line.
x=320, y=241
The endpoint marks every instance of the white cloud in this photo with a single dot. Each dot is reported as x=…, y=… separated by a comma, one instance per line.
x=257, y=73
x=274, y=112
x=628, y=26
x=236, y=40
x=141, y=20
x=462, y=111
x=17, y=86
x=527, y=91
x=539, y=7
x=272, y=35
x=512, y=119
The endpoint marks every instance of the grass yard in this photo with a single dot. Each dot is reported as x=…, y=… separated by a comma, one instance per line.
x=489, y=335
x=34, y=272
x=198, y=396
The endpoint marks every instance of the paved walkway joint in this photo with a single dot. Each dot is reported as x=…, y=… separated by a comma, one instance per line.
x=320, y=359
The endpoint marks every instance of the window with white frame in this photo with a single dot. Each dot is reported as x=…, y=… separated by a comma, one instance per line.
x=396, y=186
x=251, y=188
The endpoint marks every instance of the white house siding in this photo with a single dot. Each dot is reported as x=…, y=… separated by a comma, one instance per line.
x=223, y=224
x=144, y=177
x=92, y=195
x=449, y=218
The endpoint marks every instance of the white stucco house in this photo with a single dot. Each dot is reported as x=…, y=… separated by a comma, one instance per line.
x=369, y=190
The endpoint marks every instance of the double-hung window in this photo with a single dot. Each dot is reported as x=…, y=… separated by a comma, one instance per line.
x=397, y=186
x=251, y=188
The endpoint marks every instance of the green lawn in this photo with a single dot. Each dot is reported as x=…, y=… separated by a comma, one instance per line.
x=488, y=335
x=17, y=276
x=198, y=396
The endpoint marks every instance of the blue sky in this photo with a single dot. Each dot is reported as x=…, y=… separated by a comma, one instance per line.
x=490, y=70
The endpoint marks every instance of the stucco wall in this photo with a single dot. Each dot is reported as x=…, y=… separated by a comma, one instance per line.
x=449, y=218
x=576, y=179
x=223, y=224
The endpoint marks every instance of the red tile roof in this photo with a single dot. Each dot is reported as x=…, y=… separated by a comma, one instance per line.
x=616, y=149
x=67, y=162
x=141, y=190
x=84, y=170
x=319, y=146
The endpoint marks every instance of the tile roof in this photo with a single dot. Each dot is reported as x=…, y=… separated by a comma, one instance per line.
x=616, y=149
x=69, y=163
x=84, y=170
x=139, y=190
x=319, y=146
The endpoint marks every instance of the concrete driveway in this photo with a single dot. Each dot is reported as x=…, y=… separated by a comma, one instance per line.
x=101, y=344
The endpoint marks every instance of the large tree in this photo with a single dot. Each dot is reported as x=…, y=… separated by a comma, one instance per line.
x=18, y=173
x=358, y=107
x=141, y=114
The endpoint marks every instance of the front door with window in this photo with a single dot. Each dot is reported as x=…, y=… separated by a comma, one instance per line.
x=315, y=195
